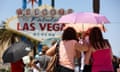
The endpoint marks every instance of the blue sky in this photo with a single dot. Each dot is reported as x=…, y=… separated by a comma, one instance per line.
x=109, y=8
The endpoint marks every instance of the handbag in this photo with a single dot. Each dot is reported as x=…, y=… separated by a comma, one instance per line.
x=87, y=68
x=54, y=61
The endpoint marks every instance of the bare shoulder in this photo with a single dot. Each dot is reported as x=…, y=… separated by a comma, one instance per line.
x=91, y=49
x=51, y=51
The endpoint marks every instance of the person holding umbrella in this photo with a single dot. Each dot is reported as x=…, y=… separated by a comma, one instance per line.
x=99, y=51
x=67, y=50
x=84, y=43
x=17, y=66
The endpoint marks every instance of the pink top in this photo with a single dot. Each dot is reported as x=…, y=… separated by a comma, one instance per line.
x=67, y=53
x=102, y=60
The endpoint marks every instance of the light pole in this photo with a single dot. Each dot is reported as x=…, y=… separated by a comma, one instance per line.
x=96, y=6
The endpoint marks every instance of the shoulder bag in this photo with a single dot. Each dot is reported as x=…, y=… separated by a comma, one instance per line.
x=54, y=61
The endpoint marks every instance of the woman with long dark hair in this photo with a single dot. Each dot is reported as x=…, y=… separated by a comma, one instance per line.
x=99, y=52
x=67, y=50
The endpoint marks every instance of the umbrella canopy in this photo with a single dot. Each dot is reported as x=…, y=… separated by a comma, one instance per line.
x=83, y=17
x=16, y=52
x=83, y=28
x=82, y=21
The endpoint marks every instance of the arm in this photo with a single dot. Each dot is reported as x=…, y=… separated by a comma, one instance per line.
x=108, y=45
x=88, y=56
x=78, y=54
x=51, y=51
x=35, y=66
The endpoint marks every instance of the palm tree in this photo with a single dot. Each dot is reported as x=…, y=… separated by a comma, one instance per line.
x=96, y=6
x=4, y=34
x=2, y=25
x=2, y=28
x=5, y=41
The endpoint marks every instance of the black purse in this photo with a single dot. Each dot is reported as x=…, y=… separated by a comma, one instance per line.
x=87, y=68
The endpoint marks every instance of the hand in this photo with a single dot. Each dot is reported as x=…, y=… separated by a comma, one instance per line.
x=81, y=47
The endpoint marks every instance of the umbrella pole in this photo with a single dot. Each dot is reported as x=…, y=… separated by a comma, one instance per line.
x=104, y=28
x=82, y=29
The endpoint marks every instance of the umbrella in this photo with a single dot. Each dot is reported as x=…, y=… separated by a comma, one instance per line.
x=84, y=28
x=84, y=18
x=16, y=52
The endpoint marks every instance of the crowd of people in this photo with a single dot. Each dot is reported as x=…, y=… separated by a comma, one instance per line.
x=92, y=51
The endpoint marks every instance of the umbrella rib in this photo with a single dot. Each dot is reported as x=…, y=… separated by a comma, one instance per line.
x=75, y=19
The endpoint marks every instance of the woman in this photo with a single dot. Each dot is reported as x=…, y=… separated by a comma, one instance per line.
x=99, y=51
x=17, y=66
x=67, y=50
